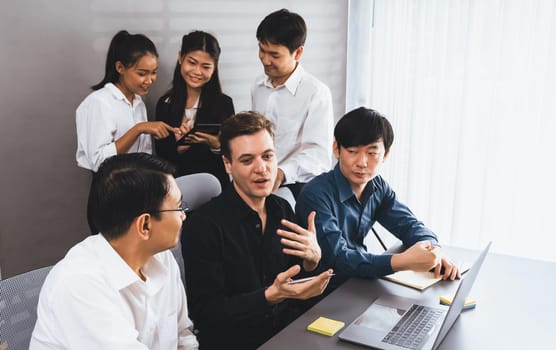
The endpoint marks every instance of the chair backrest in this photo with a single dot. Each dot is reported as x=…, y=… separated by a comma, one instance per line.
x=286, y=194
x=19, y=296
x=197, y=189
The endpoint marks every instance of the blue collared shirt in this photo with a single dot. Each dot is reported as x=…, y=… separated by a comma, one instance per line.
x=342, y=222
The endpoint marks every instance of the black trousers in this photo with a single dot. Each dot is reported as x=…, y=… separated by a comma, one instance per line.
x=92, y=227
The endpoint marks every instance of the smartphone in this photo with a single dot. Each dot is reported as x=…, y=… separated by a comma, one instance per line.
x=306, y=279
x=208, y=128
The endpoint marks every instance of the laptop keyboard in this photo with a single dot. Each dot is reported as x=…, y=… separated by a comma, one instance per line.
x=412, y=329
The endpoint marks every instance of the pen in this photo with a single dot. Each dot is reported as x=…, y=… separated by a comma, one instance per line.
x=301, y=280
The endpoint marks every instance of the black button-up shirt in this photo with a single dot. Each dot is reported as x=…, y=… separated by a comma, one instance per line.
x=229, y=262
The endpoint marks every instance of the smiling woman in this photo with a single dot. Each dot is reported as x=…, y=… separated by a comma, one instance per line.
x=138, y=78
x=195, y=99
x=113, y=118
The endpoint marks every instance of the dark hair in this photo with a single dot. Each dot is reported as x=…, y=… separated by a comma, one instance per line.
x=196, y=40
x=128, y=49
x=126, y=186
x=283, y=27
x=363, y=126
x=243, y=123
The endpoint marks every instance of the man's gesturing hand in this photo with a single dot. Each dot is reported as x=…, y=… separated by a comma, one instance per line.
x=301, y=242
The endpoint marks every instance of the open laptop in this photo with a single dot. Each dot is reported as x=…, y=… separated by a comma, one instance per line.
x=395, y=322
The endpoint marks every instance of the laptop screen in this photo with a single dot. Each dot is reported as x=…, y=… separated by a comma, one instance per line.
x=460, y=296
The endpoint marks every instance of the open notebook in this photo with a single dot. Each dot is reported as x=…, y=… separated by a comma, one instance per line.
x=418, y=280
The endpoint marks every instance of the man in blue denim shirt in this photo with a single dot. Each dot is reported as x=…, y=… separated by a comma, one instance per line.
x=351, y=197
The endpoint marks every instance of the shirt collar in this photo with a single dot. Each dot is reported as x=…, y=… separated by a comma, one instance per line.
x=238, y=206
x=119, y=95
x=291, y=84
x=344, y=188
x=156, y=273
x=120, y=275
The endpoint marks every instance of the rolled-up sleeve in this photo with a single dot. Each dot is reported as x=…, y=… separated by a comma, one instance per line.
x=95, y=135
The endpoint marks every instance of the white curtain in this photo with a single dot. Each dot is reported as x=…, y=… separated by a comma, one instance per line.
x=470, y=88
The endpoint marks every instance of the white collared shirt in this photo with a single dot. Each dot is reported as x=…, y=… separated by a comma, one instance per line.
x=301, y=111
x=92, y=299
x=103, y=117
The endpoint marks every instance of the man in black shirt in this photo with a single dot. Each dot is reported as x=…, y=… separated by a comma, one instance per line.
x=242, y=249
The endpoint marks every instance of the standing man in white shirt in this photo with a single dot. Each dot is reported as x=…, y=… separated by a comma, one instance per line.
x=297, y=103
x=121, y=289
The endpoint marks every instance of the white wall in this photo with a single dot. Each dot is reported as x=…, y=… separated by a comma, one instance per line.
x=52, y=51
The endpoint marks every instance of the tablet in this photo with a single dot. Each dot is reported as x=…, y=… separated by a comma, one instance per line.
x=208, y=128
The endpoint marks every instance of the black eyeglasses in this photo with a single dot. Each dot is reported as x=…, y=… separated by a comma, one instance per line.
x=183, y=210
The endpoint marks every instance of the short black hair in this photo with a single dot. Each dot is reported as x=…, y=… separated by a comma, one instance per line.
x=363, y=126
x=126, y=186
x=243, y=123
x=283, y=27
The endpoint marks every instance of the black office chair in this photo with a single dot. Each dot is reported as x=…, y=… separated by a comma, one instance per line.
x=286, y=194
x=19, y=297
x=394, y=244
x=379, y=239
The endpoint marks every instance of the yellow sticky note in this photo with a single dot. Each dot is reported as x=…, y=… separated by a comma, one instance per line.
x=326, y=326
x=447, y=300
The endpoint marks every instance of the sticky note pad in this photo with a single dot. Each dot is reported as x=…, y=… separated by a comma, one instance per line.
x=326, y=326
x=447, y=300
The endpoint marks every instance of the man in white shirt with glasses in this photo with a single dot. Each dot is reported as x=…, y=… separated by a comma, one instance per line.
x=121, y=288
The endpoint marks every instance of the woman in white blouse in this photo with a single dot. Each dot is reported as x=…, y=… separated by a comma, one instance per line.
x=113, y=118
